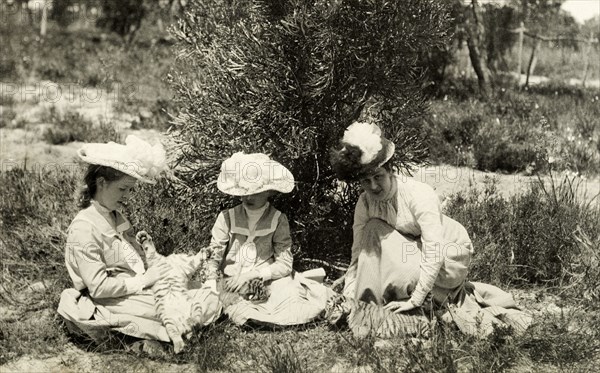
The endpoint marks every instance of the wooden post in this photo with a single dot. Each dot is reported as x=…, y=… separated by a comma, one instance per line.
x=44, y=19
x=536, y=44
x=587, y=58
x=521, y=30
x=533, y=63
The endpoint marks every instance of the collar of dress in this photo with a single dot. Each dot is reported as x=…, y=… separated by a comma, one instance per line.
x=390, y=196
x=116, y=217
x=265, y=225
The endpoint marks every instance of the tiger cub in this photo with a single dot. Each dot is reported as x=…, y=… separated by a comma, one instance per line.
x=255, y=291
x=367, y=319
x=178, y=312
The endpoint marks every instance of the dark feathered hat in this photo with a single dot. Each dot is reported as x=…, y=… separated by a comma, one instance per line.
x=363, y=149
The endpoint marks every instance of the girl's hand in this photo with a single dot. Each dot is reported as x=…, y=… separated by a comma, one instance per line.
x=398, y=307
x=234, y=284
x=153, y=274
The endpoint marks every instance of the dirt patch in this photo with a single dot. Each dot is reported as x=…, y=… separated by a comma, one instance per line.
x=448, y=180
x=73, y=359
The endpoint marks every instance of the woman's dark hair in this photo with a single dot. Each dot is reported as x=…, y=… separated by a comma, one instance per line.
x=390, y=165
x=93, y=172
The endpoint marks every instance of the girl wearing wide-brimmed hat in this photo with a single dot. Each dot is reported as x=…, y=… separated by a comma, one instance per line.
x=111, y=280
x=404, y=248
x=252, y=241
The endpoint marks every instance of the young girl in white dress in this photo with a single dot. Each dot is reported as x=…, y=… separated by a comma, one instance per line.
x=253, y=242
x=111, y=279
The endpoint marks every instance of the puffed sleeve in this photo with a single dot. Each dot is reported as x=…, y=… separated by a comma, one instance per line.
x=85, y=259
x=361, y=216
x=218, y=242
x=282, y=252
x=425, y=207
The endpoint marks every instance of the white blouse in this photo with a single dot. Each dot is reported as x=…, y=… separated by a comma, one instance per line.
x=101, y=254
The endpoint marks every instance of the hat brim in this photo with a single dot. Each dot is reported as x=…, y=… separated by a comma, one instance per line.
x=240, y=192
x=283, y=184
x=128, y=168
x=387, y=152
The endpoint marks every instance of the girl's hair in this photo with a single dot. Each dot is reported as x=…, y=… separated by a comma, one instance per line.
x=93, y=172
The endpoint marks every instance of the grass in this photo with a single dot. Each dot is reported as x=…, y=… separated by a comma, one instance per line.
x=518, y=131
x=87, y=58
x=545, y=240
x=36, y=209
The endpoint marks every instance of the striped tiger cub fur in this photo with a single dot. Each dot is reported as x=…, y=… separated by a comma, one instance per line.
x=178, y=312
x=367, y=319
x=255, y=291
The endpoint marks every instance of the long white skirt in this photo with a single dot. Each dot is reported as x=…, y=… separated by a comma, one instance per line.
x=293, y=301
x=134, y=315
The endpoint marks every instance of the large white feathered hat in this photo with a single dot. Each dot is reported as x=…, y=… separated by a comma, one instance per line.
x=136, y=158
x=246, y=174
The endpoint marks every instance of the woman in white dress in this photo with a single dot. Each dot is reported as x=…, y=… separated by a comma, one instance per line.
x=404, y=248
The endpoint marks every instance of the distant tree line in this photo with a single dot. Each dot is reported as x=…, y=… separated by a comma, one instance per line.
x=487, y=29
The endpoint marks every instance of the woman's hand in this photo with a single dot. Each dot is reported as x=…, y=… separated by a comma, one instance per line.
x=234, y=284
x=400, y=306
x=338, y=282
x=153, y=274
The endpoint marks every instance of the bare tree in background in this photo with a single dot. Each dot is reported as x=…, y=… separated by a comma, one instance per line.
x=475, y=35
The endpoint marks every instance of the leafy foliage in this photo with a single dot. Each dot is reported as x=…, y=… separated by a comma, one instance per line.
x=35, y=211
x=72, y=126
x=122, y=16
x=521, y=131
x=286, y=78
x=544, y=236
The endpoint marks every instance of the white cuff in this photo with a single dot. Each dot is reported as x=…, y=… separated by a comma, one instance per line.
x=349, y=288
x=418, y=296
x=265, y=274
x=134, y=285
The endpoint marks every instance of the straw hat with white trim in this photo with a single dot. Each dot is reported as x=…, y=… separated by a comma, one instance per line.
x=246, y=174
x=136, y=157
x=363, y=150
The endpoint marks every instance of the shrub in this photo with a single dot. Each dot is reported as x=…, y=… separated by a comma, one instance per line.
x=171, y=217
x=511, y=147
x=521, y=131
x=7, y=115
x=122, y=17
x=450, y=132
x=73, y=126
x=286, y=78
x=531, y=238
x=35, y=211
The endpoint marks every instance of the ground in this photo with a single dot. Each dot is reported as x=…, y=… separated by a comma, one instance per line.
x=22, y=144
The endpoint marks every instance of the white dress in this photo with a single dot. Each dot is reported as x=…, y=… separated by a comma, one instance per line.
x=106, y=264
